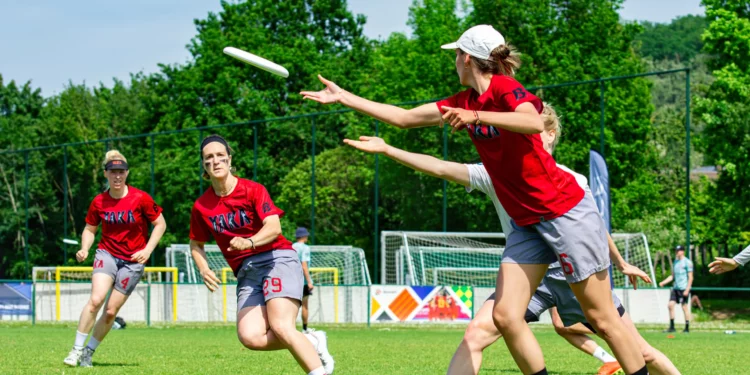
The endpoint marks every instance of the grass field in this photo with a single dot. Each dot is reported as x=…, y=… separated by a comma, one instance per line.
x=214, y=349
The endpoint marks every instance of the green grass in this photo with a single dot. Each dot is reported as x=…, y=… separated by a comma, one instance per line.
x=214, y=349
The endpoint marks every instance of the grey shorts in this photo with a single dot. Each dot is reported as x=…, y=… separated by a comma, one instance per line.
x=126, y=275
x=578, y=239
x=268, y=275
x=554, y=291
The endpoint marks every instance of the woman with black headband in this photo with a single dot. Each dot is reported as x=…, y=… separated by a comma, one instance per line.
x=124, y=213
x=241, y=217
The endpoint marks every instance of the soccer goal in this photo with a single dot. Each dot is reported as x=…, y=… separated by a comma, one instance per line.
x=440, y=258
x=445, y=258
x=62, y=292
x=349, y=262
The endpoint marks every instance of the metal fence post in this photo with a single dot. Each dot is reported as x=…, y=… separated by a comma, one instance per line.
x=601, y=119
x=376, y=218
x=153, y=180
x=445, y=182
x=312, y=185
x=255, y=152
x=26, y=199
x=65, y=203
x=687, y=159
x=200, y=164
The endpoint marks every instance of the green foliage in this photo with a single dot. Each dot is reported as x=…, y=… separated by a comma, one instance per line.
x=679, y=40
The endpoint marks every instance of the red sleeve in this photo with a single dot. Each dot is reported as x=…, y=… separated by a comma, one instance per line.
x=452, y=101
x=510, y=94
x=149, y=208
x=263, y=204
x=198, y=229
x=92, y=217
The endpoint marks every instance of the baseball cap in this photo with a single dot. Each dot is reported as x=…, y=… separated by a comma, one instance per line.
x=116, y=164
x=301, y=232
x=478, y=41
x=678, y=248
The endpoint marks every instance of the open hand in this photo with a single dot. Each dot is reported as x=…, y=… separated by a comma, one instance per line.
x=372, y=145
x=331, y=94
x=634, y=273
x=721, y=265
x=209, y=278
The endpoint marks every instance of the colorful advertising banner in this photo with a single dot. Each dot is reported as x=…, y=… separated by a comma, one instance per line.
x=439, y=304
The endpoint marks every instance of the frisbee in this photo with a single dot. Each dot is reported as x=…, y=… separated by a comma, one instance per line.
x=257, y=61
x=70, y=242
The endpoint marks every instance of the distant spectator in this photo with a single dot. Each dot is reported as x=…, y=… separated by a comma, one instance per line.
x=303, y=251
x=682, y=275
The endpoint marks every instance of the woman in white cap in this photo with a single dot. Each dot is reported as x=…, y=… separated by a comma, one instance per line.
x=545, y=202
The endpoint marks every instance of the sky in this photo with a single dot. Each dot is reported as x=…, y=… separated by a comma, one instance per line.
x=52, y=42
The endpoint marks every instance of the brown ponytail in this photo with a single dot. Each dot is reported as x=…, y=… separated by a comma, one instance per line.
x=504, y=60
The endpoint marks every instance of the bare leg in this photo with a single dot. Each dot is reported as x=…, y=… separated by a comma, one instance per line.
x=480, y=334
x=515, y=285
x=671, y=309
x=282, y=314
x=100, y=285
x=595, y=297
x=104, y=324
x=304, y=311
x=253, y=330
x=657, y=362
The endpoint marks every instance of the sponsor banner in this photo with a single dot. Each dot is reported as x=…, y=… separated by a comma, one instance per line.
x=15, y=299
x=446, y=304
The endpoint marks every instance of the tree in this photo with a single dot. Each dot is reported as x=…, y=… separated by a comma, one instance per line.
x=679, y=40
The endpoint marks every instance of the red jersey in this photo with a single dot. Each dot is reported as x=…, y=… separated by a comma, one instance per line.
x=240, y=214
x=526, y=178
x=124, y=221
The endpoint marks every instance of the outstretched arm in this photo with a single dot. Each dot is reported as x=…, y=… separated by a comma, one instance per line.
x=524, y=120
x=424, y=115
x=426, y=164
x=721, y=265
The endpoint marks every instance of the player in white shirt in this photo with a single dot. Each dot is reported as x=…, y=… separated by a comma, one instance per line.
x=482, y=332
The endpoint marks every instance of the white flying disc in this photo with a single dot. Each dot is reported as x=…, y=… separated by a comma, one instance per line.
x=70, y=242
x=257, y=61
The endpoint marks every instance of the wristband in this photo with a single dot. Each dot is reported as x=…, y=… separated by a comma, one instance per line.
x=252, y=243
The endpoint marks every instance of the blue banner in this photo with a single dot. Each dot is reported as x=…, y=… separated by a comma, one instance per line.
x=15, y=299
x=599, y=182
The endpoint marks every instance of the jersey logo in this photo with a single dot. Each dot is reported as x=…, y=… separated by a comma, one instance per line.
x=483, y=131
x=231, y=220
x=156, y=207
x=519, y=93
x=266, y=207
x=119, y=217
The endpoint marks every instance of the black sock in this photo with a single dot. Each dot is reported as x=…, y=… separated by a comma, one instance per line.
x=643, y=371
x=543, y=372
x=671, y=323
x=687, y=325
x=304, y=326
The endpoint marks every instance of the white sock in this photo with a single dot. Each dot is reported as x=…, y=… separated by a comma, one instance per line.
x=599, y=354
x=80, y=340
x=318, y=371
x=93, y=343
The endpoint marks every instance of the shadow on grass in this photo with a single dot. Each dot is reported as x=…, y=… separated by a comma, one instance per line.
x=514, y=370
x=114, y=364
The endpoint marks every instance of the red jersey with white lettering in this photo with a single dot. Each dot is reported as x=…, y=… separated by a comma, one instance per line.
x=239, y=214
x=124, y=221
x=526, y=178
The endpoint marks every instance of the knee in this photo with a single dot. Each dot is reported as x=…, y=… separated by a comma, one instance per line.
x=283, y=330
x=251, y=341
x=110, y=315
x=604, y=327
x=95, y=303
x=505, y=320
x=649, y=354
x=480, y=335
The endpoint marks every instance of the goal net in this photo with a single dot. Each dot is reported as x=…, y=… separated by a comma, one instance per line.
x=445, y=258
x=440, y=258
x=349, y=262
x=63, y=291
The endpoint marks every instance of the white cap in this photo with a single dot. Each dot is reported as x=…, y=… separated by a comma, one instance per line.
x=479, y=41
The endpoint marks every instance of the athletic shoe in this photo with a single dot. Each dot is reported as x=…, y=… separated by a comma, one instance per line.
x=73, y=357
x=610, y=368
x=685, y=330
x=308, y=330
x=86, y=357
x=323, y=353
x=669, y=330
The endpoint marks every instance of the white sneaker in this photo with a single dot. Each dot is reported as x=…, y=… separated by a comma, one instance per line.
x=86, y=357
x=73, y=357
x=323, y=353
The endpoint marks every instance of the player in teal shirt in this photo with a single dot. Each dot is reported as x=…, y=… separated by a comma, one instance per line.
x=682, y=275
x=304, y=257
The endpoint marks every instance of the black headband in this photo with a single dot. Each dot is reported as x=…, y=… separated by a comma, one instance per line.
x=215, y=138
x=116, y=164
